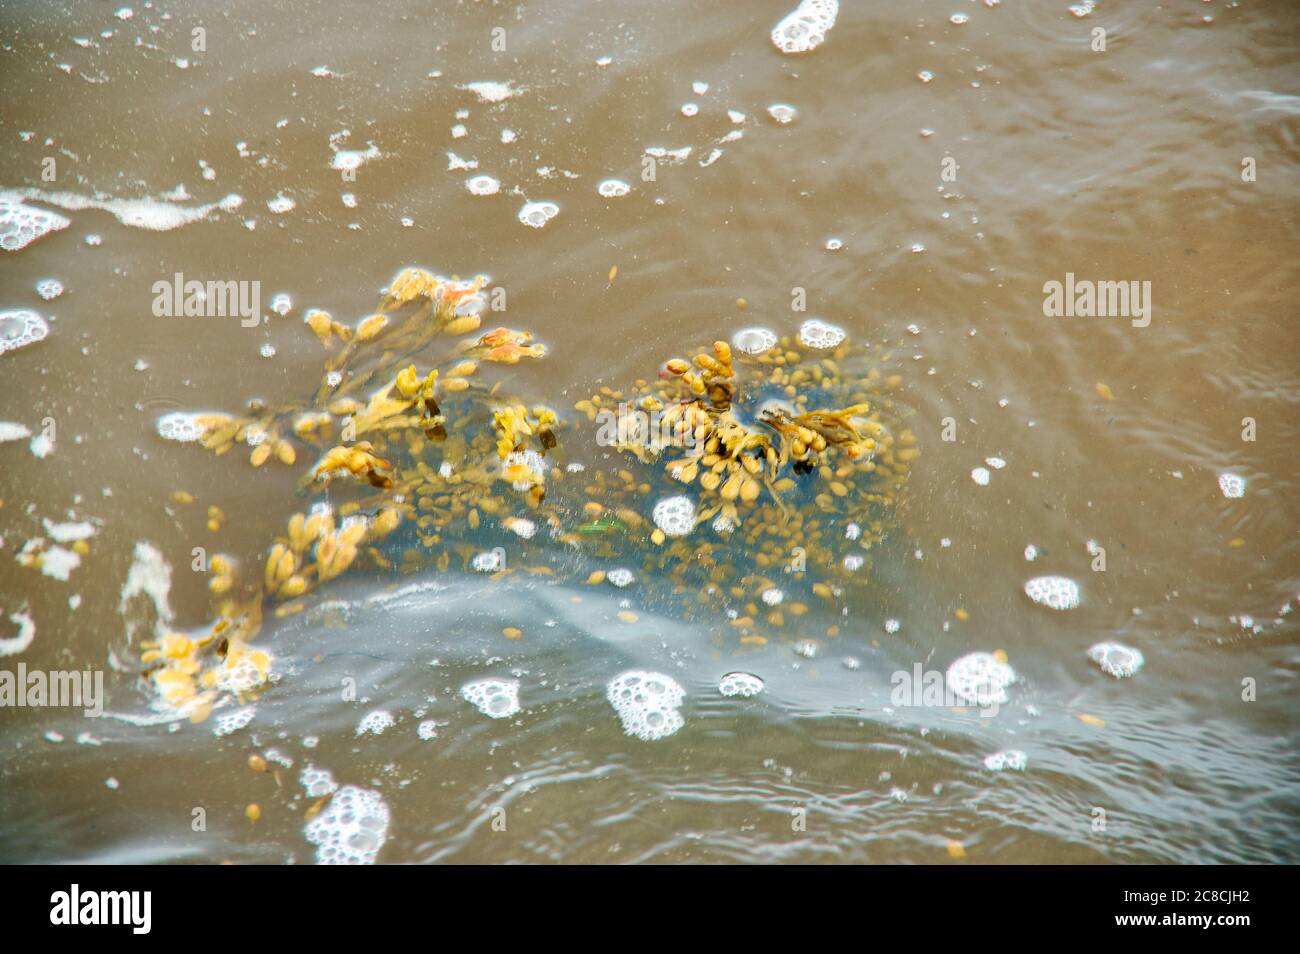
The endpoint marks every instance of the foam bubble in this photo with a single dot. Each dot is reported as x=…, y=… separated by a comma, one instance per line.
x=1232, y=485
x=741, y=684
x=482, y=185
x=521, y=527
x=675, y=516
x=782, y=113
x=350, y=160
x=495, y=698
x=773, y=596
x=180, y=426
x=815, y=333
x=980, y=475
x=488, y=561
x=980, y=678
x=613, y=188
x=490, y=91
x=317, y=782
x=1054, y=592
x=49, y=288
x=620, y=577
x=280, y=204
x=20, y=327
x=351, y=829
x=13, y=645
x=427, y=730
x=1116, y=659
x=1012, y=759
x=13, y=431
x=374, y=723
x=537, y=214
x=805, y=27
x=647, y=703
x=21, y=225
x=234, y=721
x=753, y=340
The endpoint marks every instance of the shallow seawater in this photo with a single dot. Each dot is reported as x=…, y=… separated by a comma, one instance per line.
x=1099, y=529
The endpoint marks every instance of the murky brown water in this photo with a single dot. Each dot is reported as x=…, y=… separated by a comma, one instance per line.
x=1117, y=165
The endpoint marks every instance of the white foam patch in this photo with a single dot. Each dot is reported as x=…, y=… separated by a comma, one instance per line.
x=741, y=684
x=13, y=431
x=980, y=475
x=49, y=288
x=495, y=698
x=13, y=645
x=613, y=188
x=1116, y=659
x=21, y=225
x=150, y=576
x=317, y=782
x=351, y=829
x=815, y=333
x=782, y=113
x=488, y=561
x=980, y=678
x=69, y=532
x=234, y=721
x=1012, y=759
x=537, y=214
x=1054, y=592
x=375, y=723
x=20, y=327
x=482, y=185
x=805, y=27
x=620, y=576
x=647, y=703
x=675, y=516
x=350, y=160
x=179, y=426
x=491, y=91
x=153, y=215
x=753, y=340
x=1232, y=485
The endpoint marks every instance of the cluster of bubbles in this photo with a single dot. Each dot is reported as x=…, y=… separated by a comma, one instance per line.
x=741, y=684
x=351, y=829
x=1232, y=485
x=815, y=333
x=179, y=426
x=375, y=723
x=675, y=516
x=21, y=225
x=537, y=214
x=229, y=722
x=49, y=288
x=317, y=782
x=1054, y=592
x=20, y=327
x=647, y=703
x=620, y=577
x=495, y=698
x=1012, y=759
x=805, y=27
x=613, y=188
x=1116, y=659
x=980, y=678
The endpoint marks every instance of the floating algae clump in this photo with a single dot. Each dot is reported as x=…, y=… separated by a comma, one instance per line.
x=781, y=452
x=733, y=473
